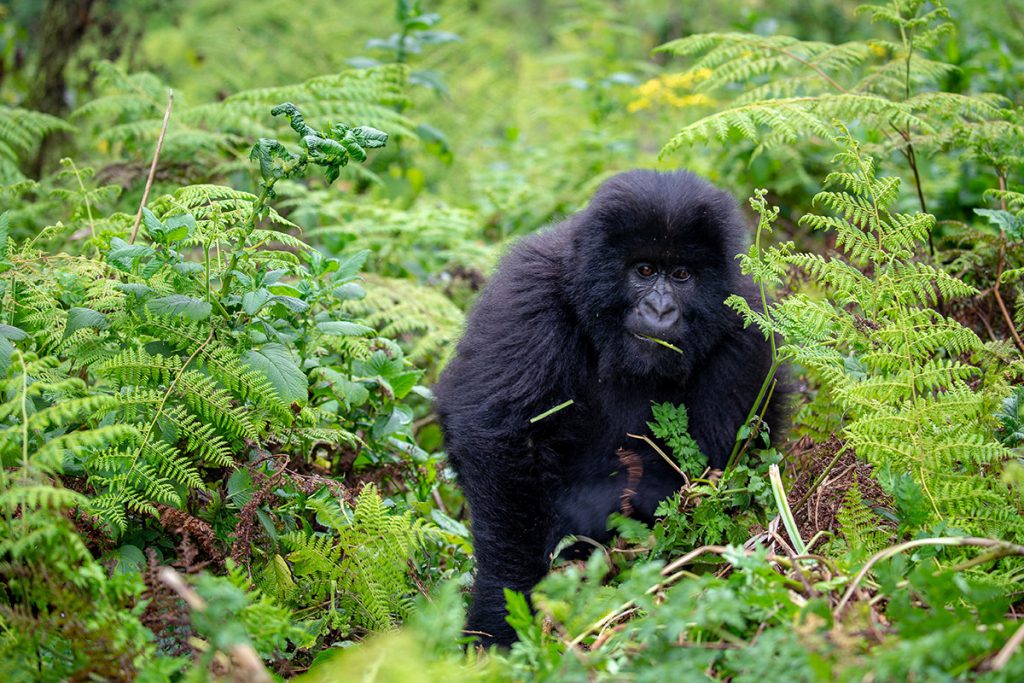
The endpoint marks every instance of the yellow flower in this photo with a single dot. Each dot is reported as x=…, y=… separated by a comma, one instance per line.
x=663, y=89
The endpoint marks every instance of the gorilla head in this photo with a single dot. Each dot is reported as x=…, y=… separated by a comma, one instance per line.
x=653, y=259
x=585, y=316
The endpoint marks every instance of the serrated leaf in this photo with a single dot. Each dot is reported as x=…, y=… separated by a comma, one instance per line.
x=350, y=266
x=284, y=290
x=276, y=362
x=134, y=288
x=290, y=302
x=5, y=227
x=179, y=227
x=6, y=351
x=154, y=228
x=180, y=305
x=124, y=256
x=253, y=301
x=402, y=384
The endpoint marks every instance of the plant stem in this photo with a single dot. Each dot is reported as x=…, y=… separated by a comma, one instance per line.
x=152, y=167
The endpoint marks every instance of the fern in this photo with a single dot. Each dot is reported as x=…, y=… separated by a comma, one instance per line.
x=898, y=368
x=130, y=107
x=364, y=555
x=792, y=89
x=421, y=317
x=21, y=130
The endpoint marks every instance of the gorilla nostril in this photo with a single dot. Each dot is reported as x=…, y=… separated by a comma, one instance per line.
x=659, y=310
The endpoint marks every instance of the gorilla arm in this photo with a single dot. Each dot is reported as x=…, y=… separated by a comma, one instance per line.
x=516, y=360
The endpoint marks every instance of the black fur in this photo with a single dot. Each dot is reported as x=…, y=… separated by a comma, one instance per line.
x=551, y=326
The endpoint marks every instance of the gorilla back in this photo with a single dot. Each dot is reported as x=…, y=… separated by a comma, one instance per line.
x=577, y=312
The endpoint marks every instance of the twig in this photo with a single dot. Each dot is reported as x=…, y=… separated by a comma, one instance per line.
x=824, y=473
x=1012, y=645
x=999, y=277
x=249, y=665
x=152, y=167
x=1007, y=548
x=646, y=439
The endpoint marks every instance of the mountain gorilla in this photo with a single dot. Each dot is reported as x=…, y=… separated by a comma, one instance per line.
x=572, y=314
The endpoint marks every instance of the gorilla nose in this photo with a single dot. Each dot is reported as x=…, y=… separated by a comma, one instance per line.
x=659, y=311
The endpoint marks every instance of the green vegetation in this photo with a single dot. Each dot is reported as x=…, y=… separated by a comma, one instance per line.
x=236, y=248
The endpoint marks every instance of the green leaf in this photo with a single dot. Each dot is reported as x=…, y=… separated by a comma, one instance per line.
x=79, y=318
x=5, y=227
x=186, y=307
x=240, y=488
x=253, y=301
x=179, y=227
x=128, y=559
x=11, y=332
x=154, y=228
x=6, y=351
x=343, y=328
x=276, y=362
x=284, y=290
x=370, y=137
x=403, y=383
x=349, y=267
x=290, y=302
x=125, y=256
x=348, y=291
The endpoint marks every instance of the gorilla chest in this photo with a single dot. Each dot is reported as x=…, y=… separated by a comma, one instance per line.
x=603, y=470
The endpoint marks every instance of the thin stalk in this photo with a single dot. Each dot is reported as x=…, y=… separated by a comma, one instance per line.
x=779, y=492
x=152, y=167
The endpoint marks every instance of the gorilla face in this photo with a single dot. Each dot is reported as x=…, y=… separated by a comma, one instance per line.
x=659, y=293
x=655, y=264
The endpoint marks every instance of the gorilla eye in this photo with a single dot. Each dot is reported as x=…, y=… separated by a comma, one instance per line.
x=645, y=270
x=681, y=274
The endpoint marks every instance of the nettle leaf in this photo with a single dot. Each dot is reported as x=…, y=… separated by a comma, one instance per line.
x=125, y=256
x=154, y=228
x=398, y=420
x=253, y=301
x=273, y=276
x=136, y=289
x=290, y=302
x=179, y=227
x=284, y=289
x=186, y=307
x=276, y=362
x=5, y=227
x=79, y=318
x=402, y=384
x=354, y=393
x=344, y=328
x=349, y=267
x=1006, y=221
